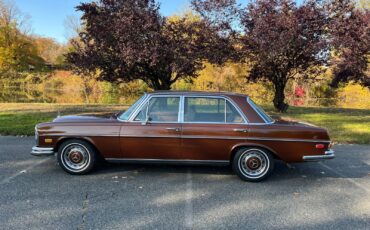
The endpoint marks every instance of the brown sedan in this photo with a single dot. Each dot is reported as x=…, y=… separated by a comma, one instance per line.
x=183, y=127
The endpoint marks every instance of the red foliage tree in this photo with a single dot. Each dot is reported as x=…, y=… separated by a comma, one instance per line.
x=125, y=40
x=349, y=29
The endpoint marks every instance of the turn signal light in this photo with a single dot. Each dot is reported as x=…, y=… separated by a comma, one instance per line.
x=320, y=146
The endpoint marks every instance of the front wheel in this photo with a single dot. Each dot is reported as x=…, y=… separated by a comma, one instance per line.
x=253, y=164
x=76, y=157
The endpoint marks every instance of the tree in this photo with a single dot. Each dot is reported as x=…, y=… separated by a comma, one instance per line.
x=124, y=40
x=17, y=52
x=282, y=40
x=349, y=28
x=48, y=49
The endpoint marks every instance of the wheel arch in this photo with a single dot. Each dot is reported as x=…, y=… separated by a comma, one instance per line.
x=61, y=140
x=235, y=149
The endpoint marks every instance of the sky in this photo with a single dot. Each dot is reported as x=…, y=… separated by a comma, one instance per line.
x=47, y=17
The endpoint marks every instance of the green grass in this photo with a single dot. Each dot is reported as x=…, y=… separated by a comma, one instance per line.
x=344, y=125
x=21, y=118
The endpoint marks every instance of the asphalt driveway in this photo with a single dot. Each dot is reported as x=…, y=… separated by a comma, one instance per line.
x=36, y=194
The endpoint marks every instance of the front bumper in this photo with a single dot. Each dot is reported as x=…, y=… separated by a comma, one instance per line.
x=42, y=151
x=329, y=154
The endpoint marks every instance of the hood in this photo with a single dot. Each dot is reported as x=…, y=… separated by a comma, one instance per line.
x=99, y=117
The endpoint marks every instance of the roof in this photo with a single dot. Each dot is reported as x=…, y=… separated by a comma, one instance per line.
x=202, y=93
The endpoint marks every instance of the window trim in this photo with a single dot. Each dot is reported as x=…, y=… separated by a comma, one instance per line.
x=221, y=123
x=139, y=108
x=181, y=110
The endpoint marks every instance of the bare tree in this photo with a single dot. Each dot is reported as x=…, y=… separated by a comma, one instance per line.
x=72, y=26
x=10, y=14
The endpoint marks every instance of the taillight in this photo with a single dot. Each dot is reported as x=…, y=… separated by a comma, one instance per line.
x=320, y=146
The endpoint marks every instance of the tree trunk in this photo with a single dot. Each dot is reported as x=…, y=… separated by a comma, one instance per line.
x=160, y=84
x=279, y=97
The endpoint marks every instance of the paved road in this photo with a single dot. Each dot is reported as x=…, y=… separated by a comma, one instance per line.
x=36, y=194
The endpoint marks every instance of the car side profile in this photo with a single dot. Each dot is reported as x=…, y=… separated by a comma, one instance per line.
x=183, y=127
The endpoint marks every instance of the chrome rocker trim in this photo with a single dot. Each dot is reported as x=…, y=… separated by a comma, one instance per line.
x=167, y=161
x=42, y=151
x=328, y=155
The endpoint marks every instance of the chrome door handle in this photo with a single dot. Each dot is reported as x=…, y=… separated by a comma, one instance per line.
x=241, y=130
x=173, y=129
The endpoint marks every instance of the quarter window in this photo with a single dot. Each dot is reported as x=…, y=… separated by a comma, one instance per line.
x=210, y=110
x=160, y=109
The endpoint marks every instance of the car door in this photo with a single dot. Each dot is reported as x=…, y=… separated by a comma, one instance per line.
x=211, y=127
x=155, y=131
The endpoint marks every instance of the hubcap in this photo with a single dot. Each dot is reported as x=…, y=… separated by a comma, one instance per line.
x=75, y=157
x=254, y=163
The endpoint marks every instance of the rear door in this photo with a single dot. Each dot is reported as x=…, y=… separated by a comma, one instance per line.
x=211, y=127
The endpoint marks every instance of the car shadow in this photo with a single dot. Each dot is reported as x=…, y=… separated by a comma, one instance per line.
x=335, y=168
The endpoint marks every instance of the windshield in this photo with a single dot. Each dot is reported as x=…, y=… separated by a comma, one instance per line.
x=126, y=115
x=260, y=111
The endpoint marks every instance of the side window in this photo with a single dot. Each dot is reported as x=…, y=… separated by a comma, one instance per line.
x=160, y=109
x=216, y=110
x=232, y=115
x=202, y=109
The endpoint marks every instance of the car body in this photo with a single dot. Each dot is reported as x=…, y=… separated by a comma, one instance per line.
x=183, y=127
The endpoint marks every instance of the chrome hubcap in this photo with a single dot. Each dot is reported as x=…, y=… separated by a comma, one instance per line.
x=75, y=157
x=254, y=163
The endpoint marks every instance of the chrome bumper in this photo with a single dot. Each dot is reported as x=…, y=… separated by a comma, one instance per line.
x=42, y=151
x=328, y=155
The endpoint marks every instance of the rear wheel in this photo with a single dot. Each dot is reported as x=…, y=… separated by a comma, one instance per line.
x=253, y=164
x=76, y=157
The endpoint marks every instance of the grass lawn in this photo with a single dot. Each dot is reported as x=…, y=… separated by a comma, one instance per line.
x=344, y=125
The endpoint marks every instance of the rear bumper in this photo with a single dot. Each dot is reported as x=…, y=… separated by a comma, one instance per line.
x=329, y=154
x=42, y=151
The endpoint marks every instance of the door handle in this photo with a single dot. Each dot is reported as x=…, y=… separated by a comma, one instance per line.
x=173, y=129
x=241, y=130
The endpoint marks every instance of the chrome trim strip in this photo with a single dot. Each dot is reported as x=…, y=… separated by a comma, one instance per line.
x=42, y=151
x=167, y=161
x=287, y=139
x=78, y=135
x=329, y=154
x=227, y=138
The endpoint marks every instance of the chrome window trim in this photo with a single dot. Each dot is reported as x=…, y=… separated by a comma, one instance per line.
x=181, y=110
x=139, y=106
x=136, y=112
x=259, y=114
x=221, y=123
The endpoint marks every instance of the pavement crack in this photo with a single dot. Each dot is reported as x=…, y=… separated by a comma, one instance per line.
x=85, y=207
x=188, y=198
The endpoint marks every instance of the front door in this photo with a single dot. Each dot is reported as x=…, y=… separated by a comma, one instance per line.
x=155, y=132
